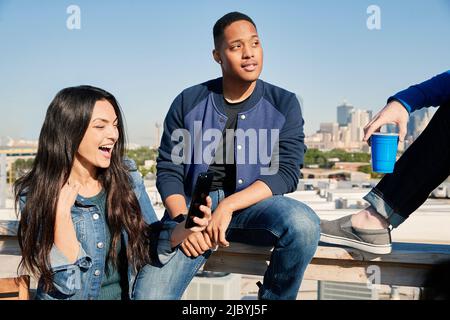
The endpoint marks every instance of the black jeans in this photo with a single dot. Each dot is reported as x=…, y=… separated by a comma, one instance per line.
x=423, y=166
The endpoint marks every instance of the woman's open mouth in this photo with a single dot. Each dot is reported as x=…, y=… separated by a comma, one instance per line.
x=106, y=150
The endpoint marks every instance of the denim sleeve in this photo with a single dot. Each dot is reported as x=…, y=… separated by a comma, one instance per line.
x=291, y=152
x=66, y=275
x=145, y=204
x=161, y=232
x=170, y=175
x=160, y=246
x=165, y=250
x=433, y=92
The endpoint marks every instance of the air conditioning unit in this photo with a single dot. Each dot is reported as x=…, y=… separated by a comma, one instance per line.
x=224, y=287
x=330, y=290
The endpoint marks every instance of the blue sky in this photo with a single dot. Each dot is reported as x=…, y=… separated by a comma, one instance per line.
x=146, y=52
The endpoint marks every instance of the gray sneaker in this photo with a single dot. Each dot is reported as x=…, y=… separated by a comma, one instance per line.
x=341, y=232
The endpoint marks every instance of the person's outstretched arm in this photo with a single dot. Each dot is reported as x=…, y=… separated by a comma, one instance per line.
x=433, y=92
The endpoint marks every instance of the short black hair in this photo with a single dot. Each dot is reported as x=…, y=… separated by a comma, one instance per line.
x=225, y=21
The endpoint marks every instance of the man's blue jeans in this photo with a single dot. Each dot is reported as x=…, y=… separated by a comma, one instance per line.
x=289, y=225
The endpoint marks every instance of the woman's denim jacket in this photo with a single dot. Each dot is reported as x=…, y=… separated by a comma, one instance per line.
x=82, y=279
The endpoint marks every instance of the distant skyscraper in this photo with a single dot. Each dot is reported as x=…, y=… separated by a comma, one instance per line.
x=358, y=120
x=158, y=134
x=419, y=121
x=330, y=127
x=343, y=114
x=2, y=180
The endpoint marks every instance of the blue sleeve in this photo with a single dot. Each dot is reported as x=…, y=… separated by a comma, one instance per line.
x=169, y=175
x=66, y=275
x=290, y=154
x=433, y=92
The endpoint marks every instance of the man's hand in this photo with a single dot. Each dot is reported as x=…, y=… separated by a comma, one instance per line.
x=393, y=112
x=197, y=242
x=219, y=224
x=202, y=223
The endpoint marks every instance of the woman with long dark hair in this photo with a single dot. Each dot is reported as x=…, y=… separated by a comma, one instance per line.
x=86, y=222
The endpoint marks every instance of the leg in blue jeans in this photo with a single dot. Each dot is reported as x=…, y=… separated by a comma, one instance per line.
x=169, y=282
x=292, y=228
x=288, y=225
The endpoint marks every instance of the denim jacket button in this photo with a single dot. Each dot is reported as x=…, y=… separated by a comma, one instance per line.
x=240, y=181
x=95, y=216
x=100, y=245
x=243, y=117
x=97, y=272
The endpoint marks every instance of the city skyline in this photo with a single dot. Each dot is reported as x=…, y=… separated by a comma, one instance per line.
x=346, y=132
x=146, y=53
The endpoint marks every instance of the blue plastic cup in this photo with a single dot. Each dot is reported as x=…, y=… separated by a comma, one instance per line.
x=384, y=151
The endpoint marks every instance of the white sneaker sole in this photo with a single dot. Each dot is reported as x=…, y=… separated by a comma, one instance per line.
x=364, y=246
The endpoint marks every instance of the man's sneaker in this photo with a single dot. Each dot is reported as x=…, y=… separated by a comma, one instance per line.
x=341, y=232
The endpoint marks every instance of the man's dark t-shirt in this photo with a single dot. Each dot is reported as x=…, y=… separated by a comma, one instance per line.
x=223, y=166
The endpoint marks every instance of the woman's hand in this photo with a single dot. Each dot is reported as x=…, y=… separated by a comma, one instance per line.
x=65, y=237
x=67, y=197
x=194, y=241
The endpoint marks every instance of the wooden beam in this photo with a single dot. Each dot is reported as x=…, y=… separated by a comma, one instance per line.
x=24, y=288
x=407, y=265
x=402, y=252
x=409, y=275
x=16, y=288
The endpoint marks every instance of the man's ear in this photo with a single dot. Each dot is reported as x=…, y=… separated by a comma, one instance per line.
x=216, y=56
